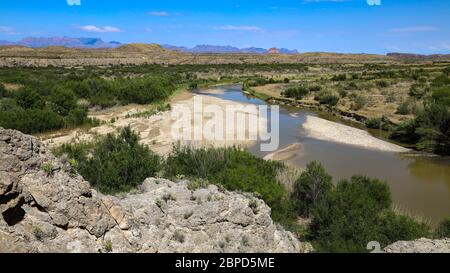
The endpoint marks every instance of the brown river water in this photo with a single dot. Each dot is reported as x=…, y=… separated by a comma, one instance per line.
x=420, y=184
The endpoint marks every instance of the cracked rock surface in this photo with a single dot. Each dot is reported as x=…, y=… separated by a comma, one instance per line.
x=46, y=206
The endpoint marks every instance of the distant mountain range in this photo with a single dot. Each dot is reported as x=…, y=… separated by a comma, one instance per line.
x=229, y=49
x=36, y=42
x=98, y=43
x=62, y=41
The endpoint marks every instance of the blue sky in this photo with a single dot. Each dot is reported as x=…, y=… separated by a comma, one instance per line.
x=420, y=26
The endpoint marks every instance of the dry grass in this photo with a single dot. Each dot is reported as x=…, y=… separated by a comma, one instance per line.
x=288, y=176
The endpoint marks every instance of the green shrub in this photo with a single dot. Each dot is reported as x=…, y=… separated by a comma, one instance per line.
x=63, y=101
x=339, y=77
x=360, y=211
x=382, y=84
x=311, y=189
x=443, y=230
x=440, y=81
x=315, y=88
x=296, y=92
x=259, y=81
x=30, y=121
x=327, y=97
x=407, y=107
x=359, y=102
x=193, y=85
x=342, y=93
x=79, y=116
x=405, y=132
x=433, y=128
x=115, y=164
x=382, y=123
x=442, y=96
x=397, y=227
x=28, y=98
x=429, y=131
x=418, y=91
x=145, y=90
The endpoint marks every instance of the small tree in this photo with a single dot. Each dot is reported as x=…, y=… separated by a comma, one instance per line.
x=28, y=98
x=312, y=188
x=63, y=100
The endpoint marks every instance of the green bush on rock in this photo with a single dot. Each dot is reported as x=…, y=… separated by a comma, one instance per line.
x=116, y=164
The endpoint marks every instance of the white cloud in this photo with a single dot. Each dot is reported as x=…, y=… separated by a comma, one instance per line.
x=241, y=28
x=158, y=13
x=440, y=47
x=105, y=29
x=415, y=29
x=74, y=2
x=8, y=30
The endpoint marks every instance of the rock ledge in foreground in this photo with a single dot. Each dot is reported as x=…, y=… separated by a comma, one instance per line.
x=46, y=206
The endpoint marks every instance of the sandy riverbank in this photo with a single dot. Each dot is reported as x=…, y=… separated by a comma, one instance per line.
x=156, y=131
x=285, y=154
x=330, y=131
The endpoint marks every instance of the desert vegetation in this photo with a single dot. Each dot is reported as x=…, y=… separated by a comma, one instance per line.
x=410, y=102
x=37, y=100
x=344, y=215
x=347, y=215
x=45, y=101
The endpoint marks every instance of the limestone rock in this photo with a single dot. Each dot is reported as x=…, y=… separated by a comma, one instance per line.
x=420, y=246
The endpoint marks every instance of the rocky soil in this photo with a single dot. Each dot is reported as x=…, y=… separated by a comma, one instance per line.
x=47, y=207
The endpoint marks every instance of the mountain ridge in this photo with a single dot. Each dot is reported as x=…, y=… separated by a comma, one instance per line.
x=98, y=43
x=82, y=42
x=204, y=48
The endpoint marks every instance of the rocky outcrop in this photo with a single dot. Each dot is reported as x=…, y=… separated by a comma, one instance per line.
x=46, y=206
x=420, y=246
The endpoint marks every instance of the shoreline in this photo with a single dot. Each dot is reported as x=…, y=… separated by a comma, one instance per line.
x=323, y=129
